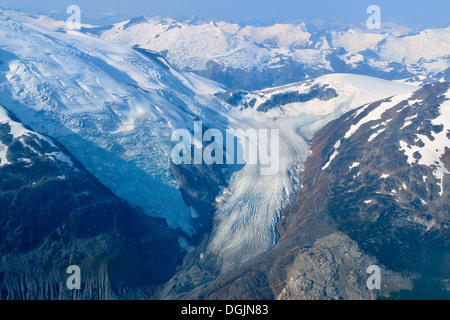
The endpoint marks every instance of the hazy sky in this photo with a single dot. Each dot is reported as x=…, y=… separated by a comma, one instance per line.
x=427, y=13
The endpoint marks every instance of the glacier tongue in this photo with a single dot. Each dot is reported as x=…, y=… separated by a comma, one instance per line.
x=250, y=207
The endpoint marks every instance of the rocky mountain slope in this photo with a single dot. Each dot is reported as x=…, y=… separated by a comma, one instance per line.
x=53, y=214
x=392, y=198
x=249, y=207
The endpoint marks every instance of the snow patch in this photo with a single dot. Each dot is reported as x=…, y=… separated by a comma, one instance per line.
x=355, y=164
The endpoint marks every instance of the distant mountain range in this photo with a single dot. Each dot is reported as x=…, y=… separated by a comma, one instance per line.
x=251, y=57
x=375, y=191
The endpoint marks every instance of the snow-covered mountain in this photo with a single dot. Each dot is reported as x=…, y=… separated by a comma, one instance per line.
x=251, y=57
x=114, y=95
x=113, y=107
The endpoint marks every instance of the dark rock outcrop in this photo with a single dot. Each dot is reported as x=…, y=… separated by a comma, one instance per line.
x=53, y=213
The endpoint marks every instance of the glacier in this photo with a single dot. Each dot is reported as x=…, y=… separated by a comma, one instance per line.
x=302, y=50
x=113, y=107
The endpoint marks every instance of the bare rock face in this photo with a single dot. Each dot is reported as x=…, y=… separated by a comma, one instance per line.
x=335, y=268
